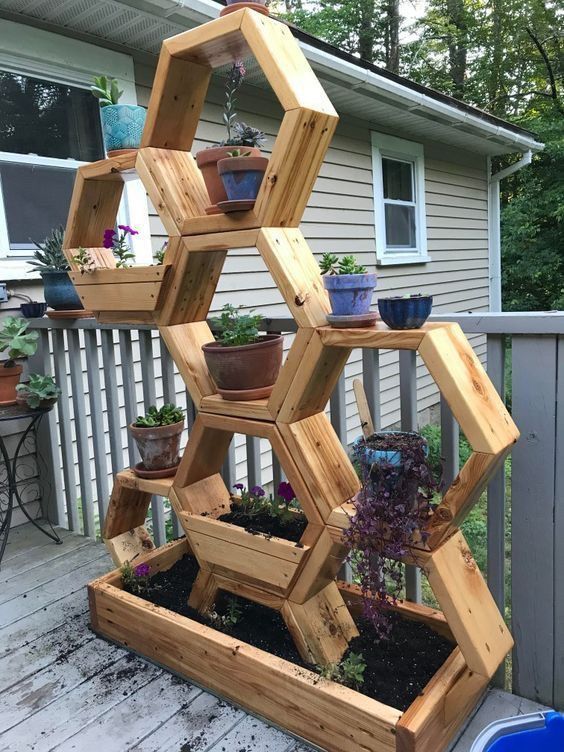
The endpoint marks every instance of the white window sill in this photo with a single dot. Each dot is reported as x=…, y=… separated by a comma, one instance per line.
x=17, y=270
x=403, y=258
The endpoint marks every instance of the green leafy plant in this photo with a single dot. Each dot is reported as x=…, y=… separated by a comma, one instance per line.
x=331, y=264
x=106, y=90
x=84, y=260
x=256, y=502
x=49, y=256
x=159, y=255
x=236, y=328
x=117, y=242
x=349, y=671
x=39, y=387
x=239, y=153
x=166, y=416
x=238, y=133
x=229, y=619
x=16, y=340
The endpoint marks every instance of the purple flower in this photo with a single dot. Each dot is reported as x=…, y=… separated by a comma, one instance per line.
x=286, y=491
x=128, y=230
x=239, y=486
x=109, y=237
x=142, y=570
x=258, y=491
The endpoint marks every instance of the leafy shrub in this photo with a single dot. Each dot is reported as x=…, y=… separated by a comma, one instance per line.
x=349, y=671
x=15, y=338
x=38, y=388
x=234, y=328
x=432, y=435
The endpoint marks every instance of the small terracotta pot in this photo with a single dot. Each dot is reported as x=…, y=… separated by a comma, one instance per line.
x=159, y=446
x=45, y=404
x=233, y=5
x=245, y=372
x=207, y=160
x=9, y=379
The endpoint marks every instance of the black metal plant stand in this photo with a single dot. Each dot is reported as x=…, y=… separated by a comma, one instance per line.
x=10, y=480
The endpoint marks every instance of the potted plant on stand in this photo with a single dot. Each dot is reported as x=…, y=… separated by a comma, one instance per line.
x=51, y=263
x=239, y=135
x=157, y=435
x=19, y=344
x=350, y=289
x=232, y=5
x=241, y=174
x=40, y=392
x=243, y=364
x=122, y=124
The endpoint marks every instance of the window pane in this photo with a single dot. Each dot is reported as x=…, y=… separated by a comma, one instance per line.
x=398, y=183
x=49, y=119
x=400, y=226
x=36, y=199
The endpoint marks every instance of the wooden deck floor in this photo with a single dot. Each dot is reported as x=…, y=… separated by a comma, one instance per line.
x=62, y=688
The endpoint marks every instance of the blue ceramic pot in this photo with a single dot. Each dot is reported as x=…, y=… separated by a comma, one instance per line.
x=369, y=456
x=33, y=310
x=122, y=126
x=60, y=292
x=350, y=294
x=405, y=313
x=242, y=176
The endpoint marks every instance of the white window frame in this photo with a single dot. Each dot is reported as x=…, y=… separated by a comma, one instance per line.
x=384, y=146
x=53, y=57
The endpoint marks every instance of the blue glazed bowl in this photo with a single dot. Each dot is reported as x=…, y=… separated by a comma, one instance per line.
x=33, y=310
x=405, y=313
x=371, y=456
x=60, y=292
x=350, y=294
x=122, y=126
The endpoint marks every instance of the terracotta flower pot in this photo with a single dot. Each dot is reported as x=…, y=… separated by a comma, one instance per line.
x=207, y=160
x=9, y=379
x=234, y=5
x=245, y=372
x=159, y=446
x=45, y=404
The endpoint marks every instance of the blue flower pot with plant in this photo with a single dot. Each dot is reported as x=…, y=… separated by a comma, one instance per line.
x=408, y=312
x=122, y=124
x=50, y=261
x=348, y=284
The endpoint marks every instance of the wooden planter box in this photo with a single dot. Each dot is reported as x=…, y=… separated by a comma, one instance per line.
x=231, y=550
x=336, y=718
x=136, y=289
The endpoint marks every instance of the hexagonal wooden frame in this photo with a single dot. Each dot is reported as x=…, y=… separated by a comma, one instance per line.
x=166, y=167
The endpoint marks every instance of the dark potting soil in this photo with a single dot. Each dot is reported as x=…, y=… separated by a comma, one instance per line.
x=268, y=525
x=397, y=669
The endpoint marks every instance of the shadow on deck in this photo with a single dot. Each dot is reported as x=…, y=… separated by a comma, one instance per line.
x=62, y=688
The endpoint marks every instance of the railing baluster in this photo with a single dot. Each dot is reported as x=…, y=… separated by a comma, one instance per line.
x=338, y=405
x=496, y=498
x=277, y=475
x=81, y=429
x=408, y=417
x=169, y=395
x=112, y=400
x=47, y=441
x=371, y=383
x=129, y=390
x=450, y=434
x=228, y=471
x=97, y=421
x=65, y=429
x=253, y=461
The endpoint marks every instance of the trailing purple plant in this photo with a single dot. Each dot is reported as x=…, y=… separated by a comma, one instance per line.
x=391, y=508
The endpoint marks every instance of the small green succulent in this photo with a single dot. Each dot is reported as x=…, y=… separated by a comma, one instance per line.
x=39, y=387
x=106, y=90
x=331, y=264
x=15, y=339
x=349, y=671
x=166, y=416
x=49, y=256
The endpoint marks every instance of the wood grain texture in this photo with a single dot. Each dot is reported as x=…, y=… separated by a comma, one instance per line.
x=468, y=606
x=322, y=461
x=103, y=259
x=113, y=276
x=129, y=546
x=124, y=317
x=127, y=296
x=204, y=453
x=291, y=365
x=175, y=186
x=160, y=487
x=366, y=422
x=316, y=376
x=297, y=155
x=177, y=97
x=322, y=627
x=221, y=241
x=332, y=716
x=184, y=343
x=110, y=168
x=296, y=273
x=204, y=592
x=255, y=409
x=320, y=568
x=469, y=392
x=461, y=496
x=94, y=207
x=204, y=496
x=191, y=285
x=212, y=44
x=127, y=510
x=377, y=337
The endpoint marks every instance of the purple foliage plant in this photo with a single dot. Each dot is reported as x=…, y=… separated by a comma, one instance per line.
x=393, y=504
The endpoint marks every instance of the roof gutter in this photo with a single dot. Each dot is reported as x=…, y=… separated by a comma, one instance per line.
x=494, y=225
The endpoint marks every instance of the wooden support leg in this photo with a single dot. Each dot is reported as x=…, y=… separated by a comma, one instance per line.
x=130, y=545
x=204, y=591
x=127, y=510
x=322, y=627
